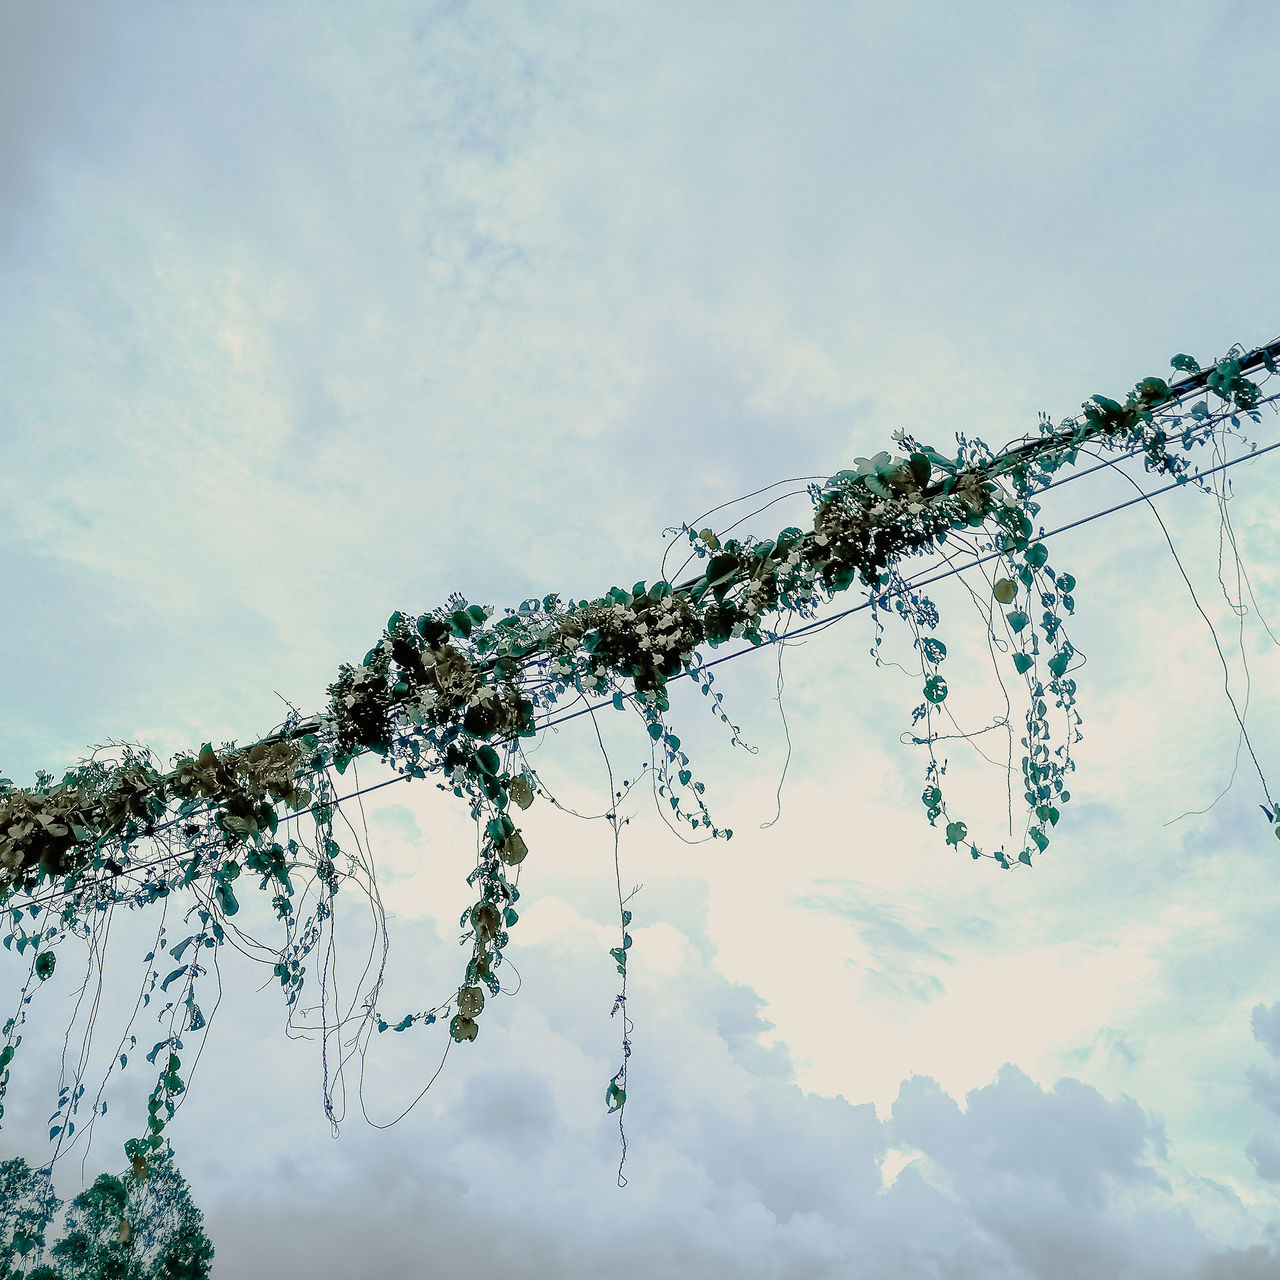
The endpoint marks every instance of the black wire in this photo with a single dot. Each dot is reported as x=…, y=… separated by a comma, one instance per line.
x=817, y=624
x=914, y=583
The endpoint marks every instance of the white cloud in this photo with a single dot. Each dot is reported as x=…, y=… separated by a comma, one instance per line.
x=308, y=316
x=1265, y=1021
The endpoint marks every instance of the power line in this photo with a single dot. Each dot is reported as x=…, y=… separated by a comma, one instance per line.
x=1013, y=456
x=915, y=583
x=815, y=625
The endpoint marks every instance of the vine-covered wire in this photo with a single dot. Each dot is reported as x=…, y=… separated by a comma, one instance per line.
x=455, y=693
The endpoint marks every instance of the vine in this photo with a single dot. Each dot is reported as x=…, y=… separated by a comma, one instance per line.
x=455, y=693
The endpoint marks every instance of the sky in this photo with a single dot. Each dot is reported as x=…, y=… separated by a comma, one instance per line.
x=309, y=313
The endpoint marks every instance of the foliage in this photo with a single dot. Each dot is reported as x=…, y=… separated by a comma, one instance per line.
x=138, y=1225
x=27, y=1205
x=455, y=692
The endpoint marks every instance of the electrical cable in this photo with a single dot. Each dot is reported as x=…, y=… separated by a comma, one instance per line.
x=810, y=627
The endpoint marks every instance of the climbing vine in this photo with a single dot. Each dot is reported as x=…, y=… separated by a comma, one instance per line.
x=456, y=692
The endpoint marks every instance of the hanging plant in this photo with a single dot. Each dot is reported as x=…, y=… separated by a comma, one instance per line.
x=455, y=692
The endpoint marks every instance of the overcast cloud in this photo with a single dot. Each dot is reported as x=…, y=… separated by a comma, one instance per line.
x=309, y=314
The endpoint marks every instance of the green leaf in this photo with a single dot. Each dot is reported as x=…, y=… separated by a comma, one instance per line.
x=45, y=963
x=1023, y=662
x=487, y=761
x=1066, y=582
x=615, y=1097
x=935, y=689
x=1042, y=840
x=177, y=973
x=176, y=951
x=226, y=898
x=1037, y=554
x=1017, y=620
x=722, y=570
x=956, y=831
x=1186, y=363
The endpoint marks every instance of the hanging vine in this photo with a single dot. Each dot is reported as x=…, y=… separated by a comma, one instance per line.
x=455, y=693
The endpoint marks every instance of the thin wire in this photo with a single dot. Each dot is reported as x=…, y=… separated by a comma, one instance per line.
x=911, y=584
x=312, y=723
x=811, y=627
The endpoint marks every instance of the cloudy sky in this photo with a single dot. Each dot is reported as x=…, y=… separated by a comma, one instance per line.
x=312, y=311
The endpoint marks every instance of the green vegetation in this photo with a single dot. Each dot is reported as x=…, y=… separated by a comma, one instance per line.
x=138, y=1225
x=454, y=693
